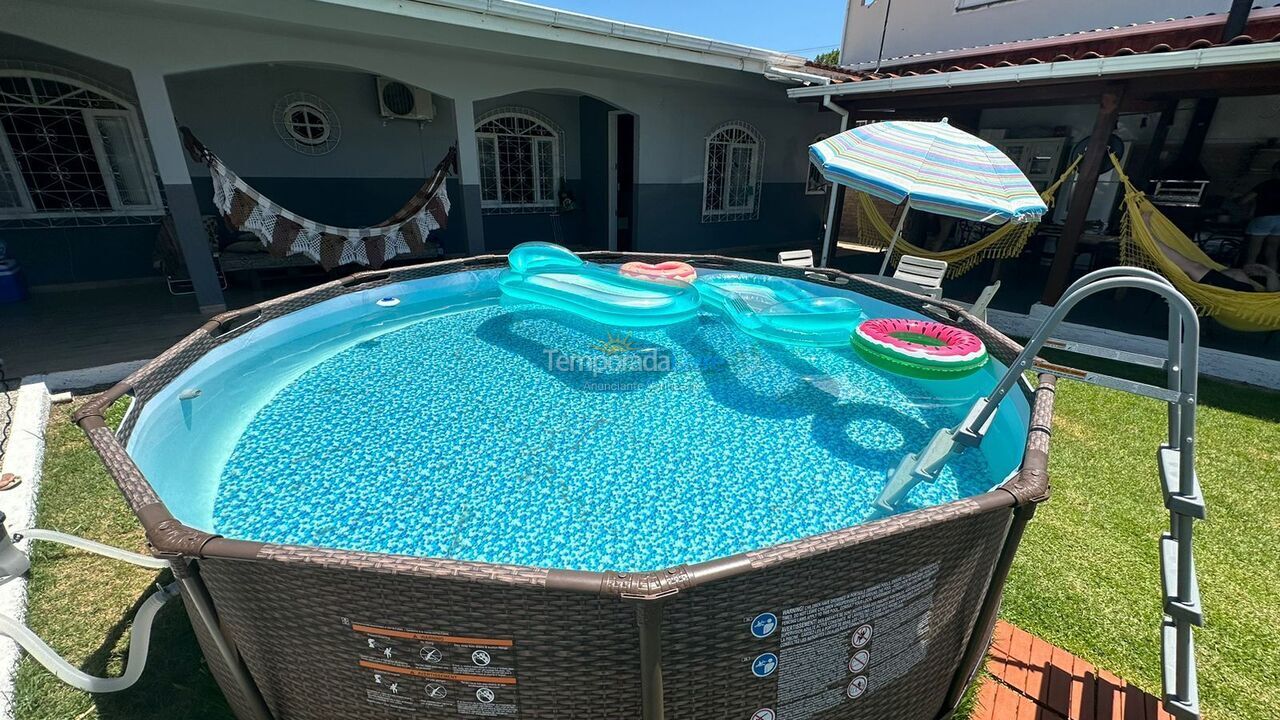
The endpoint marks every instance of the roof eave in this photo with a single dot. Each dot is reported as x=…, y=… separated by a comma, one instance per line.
x=506, y=16
x=1215, y=57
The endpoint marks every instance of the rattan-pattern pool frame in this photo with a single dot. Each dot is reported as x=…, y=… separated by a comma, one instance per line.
x=284, y=627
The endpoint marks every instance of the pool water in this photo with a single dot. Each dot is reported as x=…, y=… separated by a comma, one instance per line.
x=455, y=425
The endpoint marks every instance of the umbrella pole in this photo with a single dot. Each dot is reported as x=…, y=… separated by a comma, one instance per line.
x=897, y=233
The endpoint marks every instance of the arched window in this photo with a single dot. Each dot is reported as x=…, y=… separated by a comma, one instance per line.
x=520, y=161
x=731, y=180
x=815, y=184
x=69, y=150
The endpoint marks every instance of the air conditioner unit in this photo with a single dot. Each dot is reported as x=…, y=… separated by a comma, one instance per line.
x=404, y=102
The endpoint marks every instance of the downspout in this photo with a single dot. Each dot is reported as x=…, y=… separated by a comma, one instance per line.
x=835, y=190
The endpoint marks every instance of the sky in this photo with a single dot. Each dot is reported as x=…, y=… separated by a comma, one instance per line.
x=802, y=27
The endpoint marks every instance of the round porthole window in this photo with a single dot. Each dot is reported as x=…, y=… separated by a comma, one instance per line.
x=307, y=124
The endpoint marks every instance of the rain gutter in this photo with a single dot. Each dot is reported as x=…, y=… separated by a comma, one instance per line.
x=1203, y=59
x=835, y=191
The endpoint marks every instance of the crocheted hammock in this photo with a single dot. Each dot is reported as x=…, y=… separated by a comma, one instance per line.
x=1147, y=237
x=1007, y=241
x=285, y=233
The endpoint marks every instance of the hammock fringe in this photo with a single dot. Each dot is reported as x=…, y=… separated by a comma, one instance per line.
x=284, y=233
x=1006, y=241
x=1144, y=229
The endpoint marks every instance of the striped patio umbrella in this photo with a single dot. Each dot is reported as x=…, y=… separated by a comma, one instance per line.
x=932, y=167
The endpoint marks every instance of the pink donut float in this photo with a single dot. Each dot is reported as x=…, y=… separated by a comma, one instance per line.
x=919, y=348
x=669, y=270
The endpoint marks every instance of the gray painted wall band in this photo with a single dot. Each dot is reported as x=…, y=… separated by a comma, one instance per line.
x=193, y=242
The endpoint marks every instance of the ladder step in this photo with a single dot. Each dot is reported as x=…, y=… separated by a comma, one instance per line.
x=1190, y=611
x=1171, y=478
x=1107, y=381
x=1107, y=353
x=1187, y=708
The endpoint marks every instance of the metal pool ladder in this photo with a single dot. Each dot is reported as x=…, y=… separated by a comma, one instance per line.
x=1176, y=458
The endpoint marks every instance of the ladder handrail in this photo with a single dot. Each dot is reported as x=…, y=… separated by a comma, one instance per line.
x=1095, y=282
x=1181, y=494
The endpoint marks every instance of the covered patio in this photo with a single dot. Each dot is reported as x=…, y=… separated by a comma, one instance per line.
x=1182, y=103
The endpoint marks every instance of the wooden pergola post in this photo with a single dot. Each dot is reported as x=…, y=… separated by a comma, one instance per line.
x=1082, y=195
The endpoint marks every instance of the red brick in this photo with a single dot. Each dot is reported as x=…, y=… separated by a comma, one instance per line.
x=1009, y=704
x=1137, y=704
x=1085, y=705
x=1015, y=674
x=1110, y=690
x=1057, y=695
x=1039, y=660
x=1001, y=639
x=986, y=702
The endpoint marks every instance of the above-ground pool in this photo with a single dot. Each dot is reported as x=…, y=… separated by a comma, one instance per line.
x=421, y=493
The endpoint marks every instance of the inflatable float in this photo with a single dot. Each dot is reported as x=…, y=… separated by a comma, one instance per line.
x=919, y=348
x=776, y=310
x=551, y=275
x=669, y=270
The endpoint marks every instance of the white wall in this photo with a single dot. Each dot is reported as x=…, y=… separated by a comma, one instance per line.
x=919, y=26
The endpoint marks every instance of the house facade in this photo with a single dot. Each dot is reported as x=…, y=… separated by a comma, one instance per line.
x=919, y=27
x=1184, y=98
x=568, y=128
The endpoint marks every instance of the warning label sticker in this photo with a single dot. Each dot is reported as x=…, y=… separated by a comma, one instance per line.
x=842, y=649
x=437, y=674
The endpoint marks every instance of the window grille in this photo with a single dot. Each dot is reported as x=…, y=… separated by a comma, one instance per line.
x=68, y=150
x=307, y=124
x=731, y=180
x=520, y=161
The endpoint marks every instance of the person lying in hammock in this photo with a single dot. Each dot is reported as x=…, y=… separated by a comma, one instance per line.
x=1241, y=280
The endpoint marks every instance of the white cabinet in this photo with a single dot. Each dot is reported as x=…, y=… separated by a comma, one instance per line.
x=1040, y=159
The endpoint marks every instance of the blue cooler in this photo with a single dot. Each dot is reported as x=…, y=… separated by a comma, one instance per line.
x=12, y=289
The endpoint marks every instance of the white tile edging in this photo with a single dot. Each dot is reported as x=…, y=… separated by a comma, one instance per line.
x=24, y=457
x=90, y=377
x=1218, y=364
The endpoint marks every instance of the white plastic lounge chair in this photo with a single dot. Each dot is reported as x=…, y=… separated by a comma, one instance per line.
x=796, y=258
x=924, y=272
x=979, y=307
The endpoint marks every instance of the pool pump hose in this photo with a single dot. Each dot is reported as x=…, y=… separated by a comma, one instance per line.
x=13, y=563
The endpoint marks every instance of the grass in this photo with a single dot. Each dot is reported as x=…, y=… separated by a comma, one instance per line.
x=1086, y=577
x=81, y=604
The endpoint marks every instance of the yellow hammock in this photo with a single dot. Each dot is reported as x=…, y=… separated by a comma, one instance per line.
x=1145, y=229
x=1006, y=241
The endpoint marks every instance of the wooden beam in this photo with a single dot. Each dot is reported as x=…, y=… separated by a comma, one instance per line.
x=1082, y=195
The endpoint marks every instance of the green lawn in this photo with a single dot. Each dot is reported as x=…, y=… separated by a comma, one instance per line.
x=81, y=603
x=1086, y=577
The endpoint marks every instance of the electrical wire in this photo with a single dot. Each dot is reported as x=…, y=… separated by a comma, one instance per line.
x=6, y=419
x=884, y=31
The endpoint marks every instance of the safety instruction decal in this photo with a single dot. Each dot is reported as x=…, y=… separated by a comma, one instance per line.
x=437, y=675
x=841, y=649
